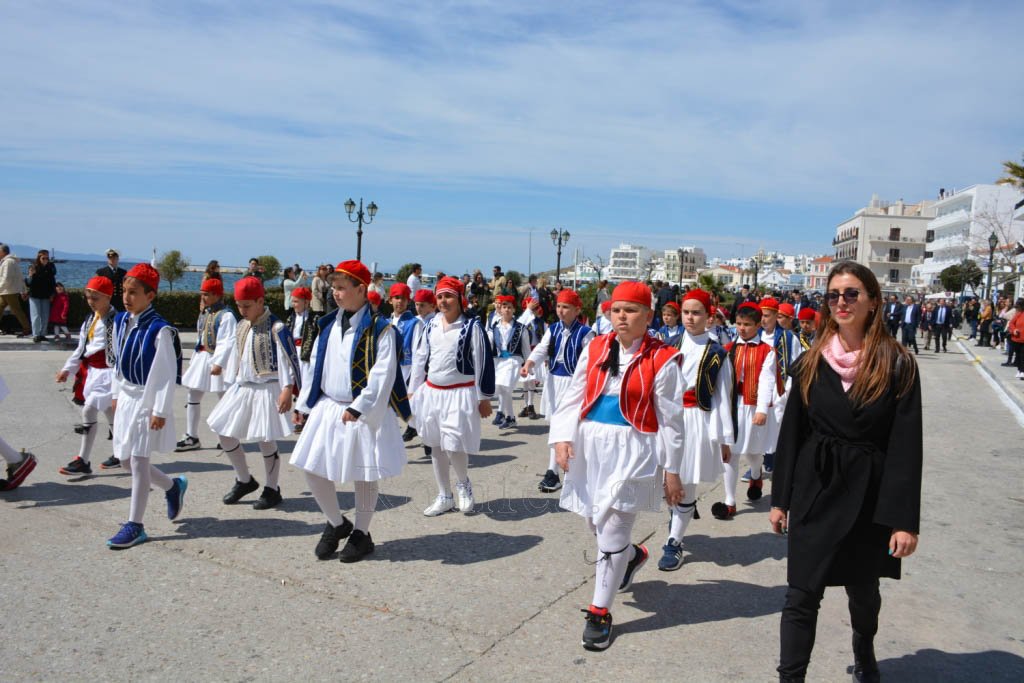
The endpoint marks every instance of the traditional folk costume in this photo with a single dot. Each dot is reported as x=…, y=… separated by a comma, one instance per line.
x=560, y=348
x=303, y=327
x=452, y=373
x=408, y=325
x=422, y=295
x=510, y=346
x=261, y=364
x=148, y=366
x=623, y=415
x=603, y=324
x=95, y=353
x=533, y=321
x=18, y=465
x=719, y=333
x=216, y=333
x=355, y=371
x=755, y=383
x=707, y=422
x=787, y=347
x=806, y=338
x=671, y=335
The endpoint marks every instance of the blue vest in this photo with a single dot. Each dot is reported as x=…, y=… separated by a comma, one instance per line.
x=464, y=354
x=406, y=325
x=515, y=344
x=567, y=366
x=783, y=352
x=707, y=373
x=137, y=349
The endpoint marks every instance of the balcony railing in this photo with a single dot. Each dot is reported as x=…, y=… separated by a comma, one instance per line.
x=885, y=258
x=890, y=238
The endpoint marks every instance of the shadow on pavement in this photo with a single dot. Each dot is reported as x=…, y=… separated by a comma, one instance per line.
x=729, y=551
x=56, y=494
x=346, y=501
x=517, y=509
x=936, y=665
x=498, y=444
x=188, y=466
x=476, y=461
x=268, y=527
x=673, y=604
x=456, y=547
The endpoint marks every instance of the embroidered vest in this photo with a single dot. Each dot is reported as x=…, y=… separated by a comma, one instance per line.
x=707, y=374
x=137, y=349
x=637, y=391
x=264, y=350
x=406, y=327
x=515, y=343
x=566, y=366
x=806, y=340
x=464, y=361
x=207, y=325
x=307, y=334
x=783, y=353
x=108, y=340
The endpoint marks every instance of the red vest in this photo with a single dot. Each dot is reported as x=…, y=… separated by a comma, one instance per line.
x=637, y=392
x=747, y=360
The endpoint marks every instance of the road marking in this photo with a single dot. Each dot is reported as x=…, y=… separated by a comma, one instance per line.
x=1004, y=397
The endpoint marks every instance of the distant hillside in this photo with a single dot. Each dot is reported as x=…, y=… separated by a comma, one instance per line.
x=26, y=251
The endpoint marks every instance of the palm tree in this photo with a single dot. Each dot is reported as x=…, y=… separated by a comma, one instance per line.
x=710, y=283
x=1014, y=174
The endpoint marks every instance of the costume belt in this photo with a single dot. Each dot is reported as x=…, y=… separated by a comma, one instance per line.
x=461, y=385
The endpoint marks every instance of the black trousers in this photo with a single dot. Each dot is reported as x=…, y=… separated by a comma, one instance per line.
x=893, y=326
x=910, y=335
x=941, y=335
x=800, y=621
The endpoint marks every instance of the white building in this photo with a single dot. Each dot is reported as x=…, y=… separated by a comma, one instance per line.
x=629, y=262
x=679, y=266
x=963, y=222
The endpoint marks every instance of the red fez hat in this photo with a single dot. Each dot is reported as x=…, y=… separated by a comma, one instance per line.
x=606, y=305
x=302, y=293
x=400, y=289
x=702, y=296
x=424, y=296
x=452, y=285
x=146, y=274
x=787, y=310
x=355, y=270
x=527, y=302
x=806, y=313
x=373, y=296
x=213, y=285
x=101, y=284
x=568, y=296
x=674, y=306
x=505, y=299
x=249, y=289
x=769, y=304
x=634, y=292
x=749, y=305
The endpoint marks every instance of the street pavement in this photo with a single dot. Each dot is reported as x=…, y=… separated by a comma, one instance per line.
x=229, y=593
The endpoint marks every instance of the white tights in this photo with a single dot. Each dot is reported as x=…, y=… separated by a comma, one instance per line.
x=144, y=475
x=614, y=552
x=90, y=415
x=326, y=496
x=458, y=461
x=505, y=405
x=192, y=409
x=271, y=461
x=732, y=471
x=8, y=453
x=683, y=513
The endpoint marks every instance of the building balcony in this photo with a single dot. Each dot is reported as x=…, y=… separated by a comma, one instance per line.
x=952, y=218
x=885, y=258
x=896, y=240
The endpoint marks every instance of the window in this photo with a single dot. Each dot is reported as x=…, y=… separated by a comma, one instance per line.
x=894, y=275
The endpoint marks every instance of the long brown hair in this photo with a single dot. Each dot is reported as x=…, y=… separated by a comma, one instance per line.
x=882, y=359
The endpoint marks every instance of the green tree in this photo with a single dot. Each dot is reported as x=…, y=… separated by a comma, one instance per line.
x=172, y=266
x=710, y=283
x=956, y=277
x=1014, y=174
x=271, y=267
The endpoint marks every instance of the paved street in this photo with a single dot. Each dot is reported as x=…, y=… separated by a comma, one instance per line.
x=228, y=593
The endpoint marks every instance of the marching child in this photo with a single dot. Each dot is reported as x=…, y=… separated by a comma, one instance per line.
x=59, y=313
x=670, y=329
x=19, y=465
x=754, y=385
x=301, y=322
x=216, y=333
x=533, y=319
x=787, y=349
x=263, y=370
x=147, y=368
x=618, y=433
x=351, y=433
x=603, y=324
x=560, y=347
x=95, y=352
x=707, y=418
x=510, y=347
x=426, y=309
x=451, y=388
x=407, y=324
x=808, y=326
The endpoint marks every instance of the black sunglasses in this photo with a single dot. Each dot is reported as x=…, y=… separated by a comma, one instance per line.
x=850, y=296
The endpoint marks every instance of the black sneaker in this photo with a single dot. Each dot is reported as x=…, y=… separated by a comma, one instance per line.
x=359, y=546
x=189, y=443
x=270, y=498
x=550, y=483
x=638, y=561
x=597, y=633
x=77, y=466
x=427, y=451
x=409, y=434
x=331, y=537
x=240, y=489
x=525, y=412
x=110, y=463
x=534, y=415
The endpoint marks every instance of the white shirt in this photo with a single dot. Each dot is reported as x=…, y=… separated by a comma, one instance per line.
x=242, y=370
x=87, y=347
x=442, y=349
x=414, y=283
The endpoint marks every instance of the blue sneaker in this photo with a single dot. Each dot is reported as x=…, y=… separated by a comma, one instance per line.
x=509, y=423
x=129, y=535
x=769, y=462
x=673, y=557
x=746, y=476
x=499, y=417
x=176, y=497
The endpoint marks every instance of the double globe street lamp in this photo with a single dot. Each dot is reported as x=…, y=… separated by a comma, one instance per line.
x=993, y=242
x=360, y=218
x=559, y=238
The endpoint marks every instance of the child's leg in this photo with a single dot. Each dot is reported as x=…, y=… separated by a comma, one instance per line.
x=326, y=496
x=504, y=400
x=366, y=502
x=195, y=398
x=89, y=418
x=730, y=475
x=683, y=513
x=460, y=463
x=233, y=449
x=442, y=472
x=552, y=462
x=271, y=463
x=8, y=453
x=528, y=398
x=144, y=475
x=615, y=549
x=755, y=460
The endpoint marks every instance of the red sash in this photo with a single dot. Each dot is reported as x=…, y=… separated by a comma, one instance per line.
x=96, y=360
x=463, y=385
x=690, y=399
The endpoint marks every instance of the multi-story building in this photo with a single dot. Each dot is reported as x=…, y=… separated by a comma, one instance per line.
x=729, y=276
x=629, y=262
x=681, y=265
x=887, y=237
x=964, y=220
x=817, y=277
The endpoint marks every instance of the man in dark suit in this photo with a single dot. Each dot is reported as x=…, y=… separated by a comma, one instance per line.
x=910, y=318
x=893, y=315
x=942, y=324
x=115, y=274
x=741, y=298
x=800, y=303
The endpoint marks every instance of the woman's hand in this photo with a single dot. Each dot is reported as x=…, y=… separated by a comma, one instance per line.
x=563, y=454
x=778, y=520
x=673, y=489
x=902, y=544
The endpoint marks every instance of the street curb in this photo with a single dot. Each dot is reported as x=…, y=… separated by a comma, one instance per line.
x=1008, y=389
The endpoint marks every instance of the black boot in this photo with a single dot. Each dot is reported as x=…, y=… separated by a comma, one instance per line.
x=865, y=667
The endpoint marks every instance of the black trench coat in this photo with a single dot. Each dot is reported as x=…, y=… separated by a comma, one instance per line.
x=847, y=477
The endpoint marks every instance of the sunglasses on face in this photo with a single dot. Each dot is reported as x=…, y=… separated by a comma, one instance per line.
x=850, y=296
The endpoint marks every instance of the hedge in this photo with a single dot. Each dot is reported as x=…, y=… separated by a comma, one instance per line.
x=181, y=309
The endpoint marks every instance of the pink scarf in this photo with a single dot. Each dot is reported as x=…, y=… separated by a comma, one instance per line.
x=842, y=361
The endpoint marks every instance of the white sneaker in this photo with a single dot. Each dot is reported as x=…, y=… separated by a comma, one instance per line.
x=1020, y=375
x=464, y=496
x=441, y=505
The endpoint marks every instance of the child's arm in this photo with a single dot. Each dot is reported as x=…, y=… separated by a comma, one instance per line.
x=566, y=417
x=285, y=375
x=226, y=328
x=538, y=354
x=668, y=405
x=74, y=361
x=161, y=382
x=765, y=389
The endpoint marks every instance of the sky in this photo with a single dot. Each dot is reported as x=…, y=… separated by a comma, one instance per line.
x=235, y=128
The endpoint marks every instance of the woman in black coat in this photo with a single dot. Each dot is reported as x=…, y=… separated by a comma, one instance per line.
x=42, y=285
x=847, y=481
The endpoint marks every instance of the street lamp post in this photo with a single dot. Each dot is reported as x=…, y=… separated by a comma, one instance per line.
x=559, y=238
x=360, y=218
x=993, y=241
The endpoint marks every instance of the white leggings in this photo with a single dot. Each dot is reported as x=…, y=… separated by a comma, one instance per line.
x=614, y=552
x=457, y=461
x=192, y=408
x=145, y=475
x=271, y=460
x=732, y=470
x=682, y=513
x=505, y=405
x=90, y=416
x=326, y=496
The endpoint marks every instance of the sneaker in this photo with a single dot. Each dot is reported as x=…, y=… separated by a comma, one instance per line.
x=331, y=537
x=746, y=476
x=428, y=451
x=464, y=496
x=17, y=473
x=597, y=633
x=176, y=497
x=239, y=490
x=768, y=463
x=81, y=428
x=722, y=511
x=499, y=417
x=672, y=559
x=525, y=412
x=409, y=434
x=359, y=546
x=755, y=490
x=534, y=415
x=639, y=560
x=189, y=443
x=76, y=466
x=1020, y=375
x=270, y=498
x=550, y=483
x=509, y=423
x=129, y=535
x=110, y=463
x=441, y=505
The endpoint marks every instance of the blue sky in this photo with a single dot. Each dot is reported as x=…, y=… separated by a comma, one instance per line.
x=227, y=129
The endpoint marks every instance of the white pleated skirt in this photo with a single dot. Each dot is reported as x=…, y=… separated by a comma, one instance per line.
x=615, y=467
x=448, y=419
x=98, y=390
x=749, y=437
x=198, y=376
x=248, y=412
x=132, y=435
x=353, y=451
x=702, y=455
x=506, y=371
x=554, y=389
